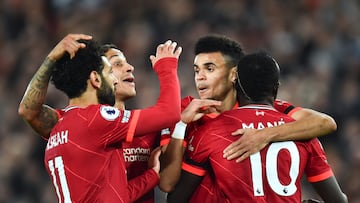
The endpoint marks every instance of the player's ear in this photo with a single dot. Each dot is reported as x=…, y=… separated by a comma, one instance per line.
x=233, y=74
x=95, y=79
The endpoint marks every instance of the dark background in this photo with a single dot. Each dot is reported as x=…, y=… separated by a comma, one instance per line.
x=316, y=42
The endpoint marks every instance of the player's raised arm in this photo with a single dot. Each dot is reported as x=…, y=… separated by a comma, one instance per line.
x=32, y=109
x=166, y=111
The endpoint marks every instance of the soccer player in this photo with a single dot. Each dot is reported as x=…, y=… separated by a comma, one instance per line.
x=215, y=64
x=95, y=138
x=271, y=175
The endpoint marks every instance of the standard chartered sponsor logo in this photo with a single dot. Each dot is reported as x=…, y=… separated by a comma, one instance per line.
x=136, y=154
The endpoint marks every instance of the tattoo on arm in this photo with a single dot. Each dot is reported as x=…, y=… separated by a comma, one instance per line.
x=36, y=91
x=47, y=119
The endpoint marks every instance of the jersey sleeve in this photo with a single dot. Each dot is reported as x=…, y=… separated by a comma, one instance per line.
x=142, y=184
x=110, y=124
x=166, y=111
x=196, y=153
x=317, y=168
x=139, y=122
x=166, y=133
x=285, y=107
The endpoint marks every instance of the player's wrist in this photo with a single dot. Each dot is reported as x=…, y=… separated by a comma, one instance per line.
x=49, y=62
x=179, y=130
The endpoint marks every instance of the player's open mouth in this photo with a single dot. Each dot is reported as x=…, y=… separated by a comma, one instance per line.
x=129, y=80
x=202, y=89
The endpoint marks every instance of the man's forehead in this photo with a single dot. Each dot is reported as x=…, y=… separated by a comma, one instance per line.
x=115, y=53
x=212, y=57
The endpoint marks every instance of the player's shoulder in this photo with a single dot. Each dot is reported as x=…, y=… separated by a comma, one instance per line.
x=285, y=106
x=108, y=113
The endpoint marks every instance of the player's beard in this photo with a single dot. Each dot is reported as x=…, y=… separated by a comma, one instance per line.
x=105, y=94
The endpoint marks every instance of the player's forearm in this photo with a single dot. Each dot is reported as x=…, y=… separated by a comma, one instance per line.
x=32, y=108
x=171, y=165
x=309, y=127
x=142, y=184
x=166, y=111
x=170, y=98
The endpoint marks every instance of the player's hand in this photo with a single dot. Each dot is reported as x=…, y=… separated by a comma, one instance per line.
x=198, y=108
x=68, y=44
x=168, y=49
x=250, y=142
x=312, y=201
x=154, y=161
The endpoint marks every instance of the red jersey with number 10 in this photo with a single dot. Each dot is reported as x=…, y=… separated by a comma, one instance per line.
x=271, y=175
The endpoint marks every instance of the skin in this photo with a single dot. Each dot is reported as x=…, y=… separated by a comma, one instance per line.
x=42, y=118
x=124, y=72
x=315, y=124
x=214, y=81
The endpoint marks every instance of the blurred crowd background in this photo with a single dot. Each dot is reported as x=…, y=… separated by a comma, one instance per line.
x=316, y=42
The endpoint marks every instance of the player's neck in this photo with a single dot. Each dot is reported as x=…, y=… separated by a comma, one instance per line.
x=267, y=101
x=119, y=104
x=86, y=99
x=228, y=103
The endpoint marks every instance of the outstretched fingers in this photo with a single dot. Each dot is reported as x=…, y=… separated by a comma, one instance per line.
x=167, y=49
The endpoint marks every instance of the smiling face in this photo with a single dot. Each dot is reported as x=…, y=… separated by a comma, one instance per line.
x=123, y=71
x=213, y=79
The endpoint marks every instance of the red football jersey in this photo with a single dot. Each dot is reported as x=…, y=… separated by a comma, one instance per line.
x=137, y=154
x=271, y=175
x=84, y=157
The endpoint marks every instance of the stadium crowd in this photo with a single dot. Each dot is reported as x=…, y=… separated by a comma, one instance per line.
x=317, y=44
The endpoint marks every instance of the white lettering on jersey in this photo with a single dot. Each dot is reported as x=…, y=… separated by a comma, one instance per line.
x=165, y=131
x=136, y=154
x=57, y=139
x=109, y=113
x=126, y=116
x=262, y=125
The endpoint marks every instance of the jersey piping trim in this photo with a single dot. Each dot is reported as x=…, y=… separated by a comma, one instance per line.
x=293, y=110
x=166, y=141
x=132, y=127
x=251, y=106
x=196, y=171
x=321, y=177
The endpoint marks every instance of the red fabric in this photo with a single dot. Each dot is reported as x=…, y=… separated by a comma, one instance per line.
x=285, y=107
x=85, y=146
x=166, y=112
x=235, y=180
x=141, y=184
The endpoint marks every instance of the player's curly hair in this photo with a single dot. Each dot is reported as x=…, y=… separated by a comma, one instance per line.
x=229, y=48
x=71, y=75
x=258, y=77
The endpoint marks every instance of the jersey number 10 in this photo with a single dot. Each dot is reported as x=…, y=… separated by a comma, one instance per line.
x=272, y=172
